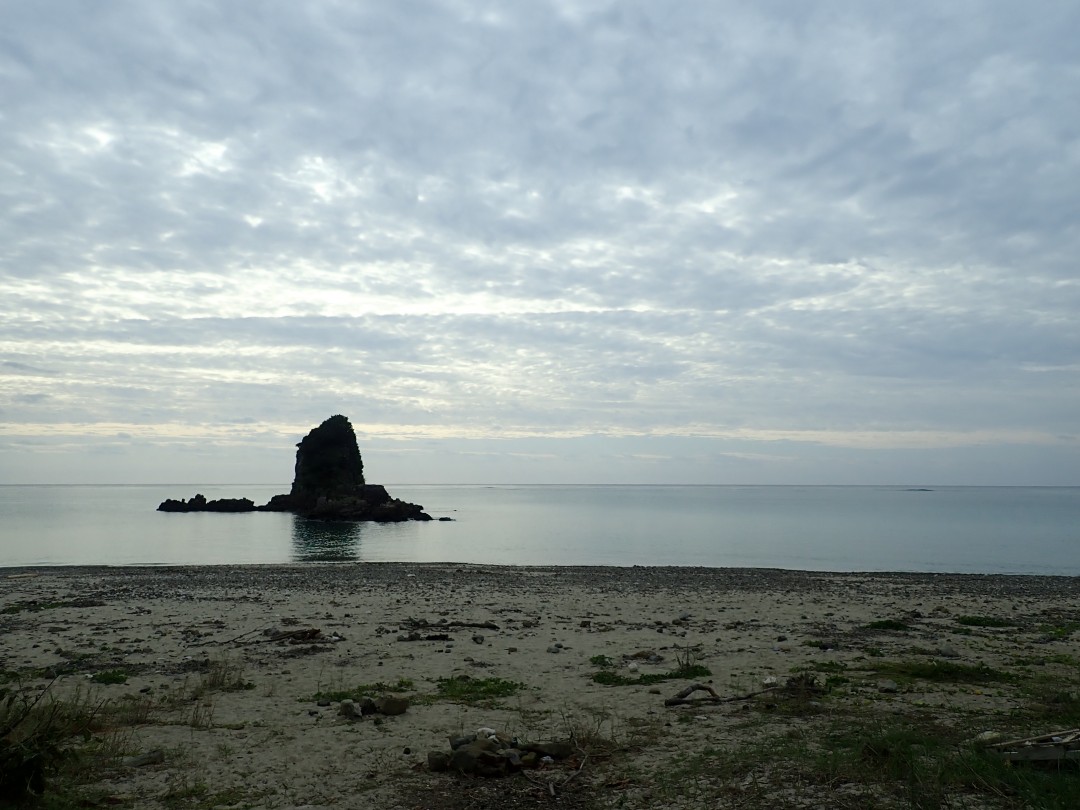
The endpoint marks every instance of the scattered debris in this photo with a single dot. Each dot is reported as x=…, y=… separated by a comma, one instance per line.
x=155, y=757
x=1054, y=746
x=800, y=686
x=492, y=753
x=424, y=624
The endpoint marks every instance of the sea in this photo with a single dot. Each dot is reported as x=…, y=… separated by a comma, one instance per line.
x=1015, y=530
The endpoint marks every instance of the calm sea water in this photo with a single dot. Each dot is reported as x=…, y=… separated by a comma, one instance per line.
x=952, y=529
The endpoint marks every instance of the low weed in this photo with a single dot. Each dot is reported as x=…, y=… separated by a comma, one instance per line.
x=362, y=690
x=892, y=625
x=463, y=689
x=821, y=666
x=927, y=765
x=37, y=737
x=1059, y=631
x=110, y=676
x=31, y=606
x=223, y=675
x=984, y=621
x=607, y=677
x=943, y=671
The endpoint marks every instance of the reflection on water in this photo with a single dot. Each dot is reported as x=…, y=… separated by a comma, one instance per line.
x=323, y=541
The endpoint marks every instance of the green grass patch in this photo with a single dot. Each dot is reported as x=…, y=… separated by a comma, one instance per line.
x=31, y=606
x=464, y=689
x=888, y=624
x=606, y=677
x=362, y=690
x=984, y=621
x=110, y=676
x=1063, y=659
x=1059, y=631
x=602, y=661
x=943, y=672
x=926, y=765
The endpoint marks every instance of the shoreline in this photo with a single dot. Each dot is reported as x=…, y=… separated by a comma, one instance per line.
x=670, y=575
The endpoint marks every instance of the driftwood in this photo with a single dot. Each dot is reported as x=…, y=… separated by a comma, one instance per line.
x=1056, y=745
x=550, y=785
x=228, y=641
x=272, y=636
x=292, y=636
x=683, y=698
x=424, y=624
x=428, y=637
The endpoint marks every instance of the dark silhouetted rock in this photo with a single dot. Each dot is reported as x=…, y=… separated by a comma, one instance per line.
x=328, y=484
x=199, y=504
x=328, y=463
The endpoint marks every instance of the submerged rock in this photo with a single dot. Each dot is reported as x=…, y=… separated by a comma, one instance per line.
x=328, y=484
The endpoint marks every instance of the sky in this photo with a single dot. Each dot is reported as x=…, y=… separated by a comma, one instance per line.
x=553, y=242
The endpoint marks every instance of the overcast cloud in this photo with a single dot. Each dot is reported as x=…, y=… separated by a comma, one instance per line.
x=802, y=242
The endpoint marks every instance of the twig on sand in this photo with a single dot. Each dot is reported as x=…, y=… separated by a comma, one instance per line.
x=227, y=641
x=683, y=698
x=416, y=624
x=307, y=634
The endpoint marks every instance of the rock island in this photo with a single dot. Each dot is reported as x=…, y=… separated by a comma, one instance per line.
x=328, y=484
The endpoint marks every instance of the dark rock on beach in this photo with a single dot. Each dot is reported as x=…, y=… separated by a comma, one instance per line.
x=328, y=484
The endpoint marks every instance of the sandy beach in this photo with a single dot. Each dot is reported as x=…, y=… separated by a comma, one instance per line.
x=237, y=675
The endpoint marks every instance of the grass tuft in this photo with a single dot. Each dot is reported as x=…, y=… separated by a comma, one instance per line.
x=984, y=621
x=463, y=689
x=110, y=676
x=889, y=624
x=362, y=690
x=943, y=671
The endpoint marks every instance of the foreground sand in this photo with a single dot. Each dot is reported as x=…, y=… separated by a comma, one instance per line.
x=272, y=745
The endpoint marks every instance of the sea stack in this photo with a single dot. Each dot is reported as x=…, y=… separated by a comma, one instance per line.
x=328, y=484
x=329, y=481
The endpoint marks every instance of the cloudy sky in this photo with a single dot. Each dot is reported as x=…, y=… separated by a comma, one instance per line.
x=565, y=241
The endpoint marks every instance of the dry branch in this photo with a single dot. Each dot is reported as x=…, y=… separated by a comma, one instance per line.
x=683, y=698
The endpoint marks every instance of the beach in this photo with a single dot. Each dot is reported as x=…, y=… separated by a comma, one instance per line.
x=234, y=677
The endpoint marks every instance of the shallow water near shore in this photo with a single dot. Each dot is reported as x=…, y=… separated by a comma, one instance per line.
x=952, y=529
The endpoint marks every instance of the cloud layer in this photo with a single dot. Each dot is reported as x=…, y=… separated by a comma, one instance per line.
x=766, y=229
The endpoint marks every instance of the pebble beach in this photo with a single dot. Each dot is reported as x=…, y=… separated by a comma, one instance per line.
x=240, y=673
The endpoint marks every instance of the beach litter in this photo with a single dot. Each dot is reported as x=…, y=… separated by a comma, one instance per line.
x=1057, y=745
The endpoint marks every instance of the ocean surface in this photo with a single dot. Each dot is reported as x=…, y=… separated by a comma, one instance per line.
x=821, y=528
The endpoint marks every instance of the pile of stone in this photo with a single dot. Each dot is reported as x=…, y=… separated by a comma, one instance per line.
x=390, y=705
x=494, y=753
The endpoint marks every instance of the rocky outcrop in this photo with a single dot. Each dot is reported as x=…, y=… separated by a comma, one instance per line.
x=199, y=504
x=328, y=463
x=328, y=484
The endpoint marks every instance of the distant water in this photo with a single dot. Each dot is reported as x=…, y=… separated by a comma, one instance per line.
x=951, y=529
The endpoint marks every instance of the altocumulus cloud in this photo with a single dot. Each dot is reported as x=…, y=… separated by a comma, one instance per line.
x=544, y=241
